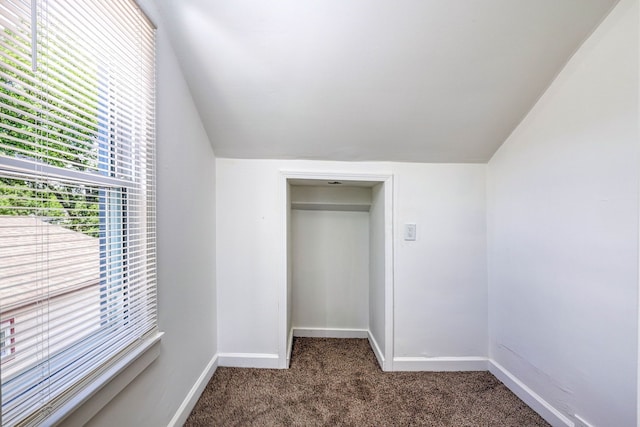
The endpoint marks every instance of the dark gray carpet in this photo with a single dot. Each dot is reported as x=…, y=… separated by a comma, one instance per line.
x=338, y=382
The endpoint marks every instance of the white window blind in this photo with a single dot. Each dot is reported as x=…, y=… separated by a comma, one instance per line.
x=77, y=196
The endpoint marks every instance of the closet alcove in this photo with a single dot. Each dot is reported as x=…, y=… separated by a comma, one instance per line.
x=337, y=253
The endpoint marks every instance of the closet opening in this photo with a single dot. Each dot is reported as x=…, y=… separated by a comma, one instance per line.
x=339, y=260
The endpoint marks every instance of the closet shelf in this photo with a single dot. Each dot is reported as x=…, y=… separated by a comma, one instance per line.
x=324, y=206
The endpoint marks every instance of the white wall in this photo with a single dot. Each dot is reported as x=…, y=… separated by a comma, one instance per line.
x=440, y=280
x=186, y=266
x=563, y=234
x=377, y=267
x=330, y=269
x=441, y=288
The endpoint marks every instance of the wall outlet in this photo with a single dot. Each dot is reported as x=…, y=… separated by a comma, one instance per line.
x=410, y=232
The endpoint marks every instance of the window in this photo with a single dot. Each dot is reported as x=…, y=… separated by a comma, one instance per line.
x=77, y=197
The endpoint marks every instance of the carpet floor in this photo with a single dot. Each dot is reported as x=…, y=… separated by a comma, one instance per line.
x=338, y=382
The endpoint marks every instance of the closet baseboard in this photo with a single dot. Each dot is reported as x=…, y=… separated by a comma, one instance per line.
x=440, y=364
x=330, y=333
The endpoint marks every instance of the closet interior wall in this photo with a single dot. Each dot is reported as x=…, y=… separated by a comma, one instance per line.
x=330, y=239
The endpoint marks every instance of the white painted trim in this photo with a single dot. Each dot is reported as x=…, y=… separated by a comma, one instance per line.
x=289, y=348
x=582, y=422
x=283, y=297
x=389, y=267
x=376, y=349
x=335, y=176
x=330, y=333
x=192, y=397
x=638, y=303
x=440, y=364
x=249, y=360
x=387, y=180
x=528, y=396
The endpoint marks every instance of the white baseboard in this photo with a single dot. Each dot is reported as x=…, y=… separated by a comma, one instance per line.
x=440, y=364
x=530, y=397
x=330, y=333
x=249, y=360
x=192, y=397
x=376, y=349
x=289, y=347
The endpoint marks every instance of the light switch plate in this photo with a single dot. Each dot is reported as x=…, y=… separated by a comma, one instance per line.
x=410, y=232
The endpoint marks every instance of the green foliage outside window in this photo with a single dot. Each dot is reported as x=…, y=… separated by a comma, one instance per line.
x=34, y=125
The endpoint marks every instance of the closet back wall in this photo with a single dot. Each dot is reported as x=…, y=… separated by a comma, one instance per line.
x=330, y=269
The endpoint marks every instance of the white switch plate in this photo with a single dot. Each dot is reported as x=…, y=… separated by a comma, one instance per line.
x=410, y=232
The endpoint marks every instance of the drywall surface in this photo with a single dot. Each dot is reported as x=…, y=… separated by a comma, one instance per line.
x=440, y=279
x=186, y=267
x=442, y=290
x=330, y=269
x=377, y=266
x=563, y=234
x=394, y=80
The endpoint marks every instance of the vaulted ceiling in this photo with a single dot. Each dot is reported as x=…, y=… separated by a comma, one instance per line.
x=397, y=80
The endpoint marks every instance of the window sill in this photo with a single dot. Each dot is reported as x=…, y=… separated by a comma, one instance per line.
x=82, y=407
